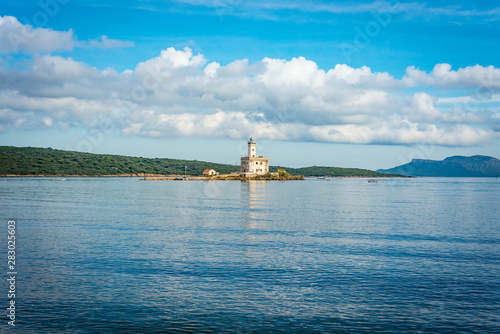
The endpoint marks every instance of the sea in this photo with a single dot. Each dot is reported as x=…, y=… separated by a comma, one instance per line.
x=334, y=255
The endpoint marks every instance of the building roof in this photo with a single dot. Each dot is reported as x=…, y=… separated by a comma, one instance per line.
x=208, y=170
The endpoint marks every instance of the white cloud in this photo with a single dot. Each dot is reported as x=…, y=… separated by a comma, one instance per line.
x=403, y=133
x=481, y=77
x=104, y=42
x=181, y=94
x=16, y=37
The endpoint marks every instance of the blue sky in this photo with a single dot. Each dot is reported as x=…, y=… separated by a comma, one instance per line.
x=368, y=84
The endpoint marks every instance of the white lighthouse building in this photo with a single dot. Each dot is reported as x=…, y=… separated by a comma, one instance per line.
x=254, y=164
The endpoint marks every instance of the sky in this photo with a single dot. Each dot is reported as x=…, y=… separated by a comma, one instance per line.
x=366, y=84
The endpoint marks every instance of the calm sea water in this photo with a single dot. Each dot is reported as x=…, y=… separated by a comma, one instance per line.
x=119, y=255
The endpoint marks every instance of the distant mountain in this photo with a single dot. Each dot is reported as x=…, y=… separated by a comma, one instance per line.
x=456, y=166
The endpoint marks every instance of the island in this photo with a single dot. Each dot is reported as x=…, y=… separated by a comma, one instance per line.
x=35, y=161
x=271, y=176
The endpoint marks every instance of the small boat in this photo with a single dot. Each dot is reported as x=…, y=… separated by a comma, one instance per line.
x=374, y=181
x=321, y=177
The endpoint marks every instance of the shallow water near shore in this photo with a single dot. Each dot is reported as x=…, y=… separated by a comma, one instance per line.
x=120, y=255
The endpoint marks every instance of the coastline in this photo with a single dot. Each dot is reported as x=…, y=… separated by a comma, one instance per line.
x=159, y=177
x=83, y=175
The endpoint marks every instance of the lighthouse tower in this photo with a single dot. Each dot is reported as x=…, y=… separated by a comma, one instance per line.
x=254, y=164
x=252, y=152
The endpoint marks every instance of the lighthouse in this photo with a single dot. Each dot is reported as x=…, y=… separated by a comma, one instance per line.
x=253, y=164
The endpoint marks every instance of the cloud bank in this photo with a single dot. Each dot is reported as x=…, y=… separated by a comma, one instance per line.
x=181, y=94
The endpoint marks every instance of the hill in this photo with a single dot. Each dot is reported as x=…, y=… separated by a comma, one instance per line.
x=456, y=166
x=333, y=171
x=47, y=161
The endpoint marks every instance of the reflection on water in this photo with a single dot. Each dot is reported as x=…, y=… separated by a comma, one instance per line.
x=255, y=193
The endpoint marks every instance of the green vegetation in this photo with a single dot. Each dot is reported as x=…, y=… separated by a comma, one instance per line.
x=280, y=176
x=43, y=161
x=332, y=171
x=269, y=176
x=47, y=161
